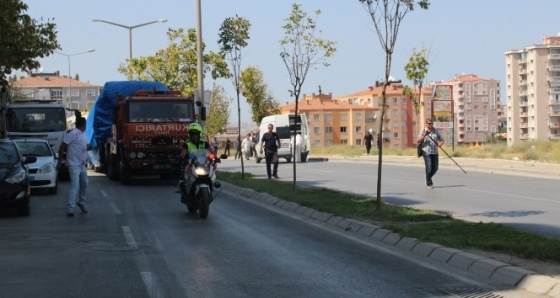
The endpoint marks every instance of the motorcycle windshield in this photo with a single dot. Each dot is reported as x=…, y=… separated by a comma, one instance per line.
x=199, y=156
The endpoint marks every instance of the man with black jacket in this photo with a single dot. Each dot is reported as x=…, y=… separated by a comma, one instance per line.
x=270, y=142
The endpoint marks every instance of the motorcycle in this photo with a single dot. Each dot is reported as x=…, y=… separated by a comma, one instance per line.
x=198, y=185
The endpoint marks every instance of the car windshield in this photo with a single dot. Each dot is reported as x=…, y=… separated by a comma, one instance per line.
x=8, y=153
x=34, y=148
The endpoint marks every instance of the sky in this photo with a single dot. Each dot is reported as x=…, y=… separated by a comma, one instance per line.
x=463, y=37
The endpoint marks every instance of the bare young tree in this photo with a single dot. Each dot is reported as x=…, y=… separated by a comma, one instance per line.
x=302, y=49
x=387, y=16
x=234, y=34
x=416, y=70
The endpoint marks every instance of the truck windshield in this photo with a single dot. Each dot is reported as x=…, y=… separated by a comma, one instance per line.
x=160, y=111
x=35, y=119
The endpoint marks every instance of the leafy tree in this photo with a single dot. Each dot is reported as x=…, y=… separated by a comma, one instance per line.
x=234, y=34
x=23, y=39
x=416, y=70
x=302, y=49
x=218, y=115
x=387, y=16
x=176, y=65
x=256, y=92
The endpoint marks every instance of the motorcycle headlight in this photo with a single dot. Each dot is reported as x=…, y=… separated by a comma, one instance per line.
x=201, y=171
x=47, y=168
x=140, y=154
x=17, y=177
x=132, y=155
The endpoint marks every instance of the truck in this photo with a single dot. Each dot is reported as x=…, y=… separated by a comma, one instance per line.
x=32, y=118
x=138, y=128
x=284, y=126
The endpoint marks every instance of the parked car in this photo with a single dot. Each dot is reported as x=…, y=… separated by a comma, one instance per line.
x=15, y=190
x=42, y=173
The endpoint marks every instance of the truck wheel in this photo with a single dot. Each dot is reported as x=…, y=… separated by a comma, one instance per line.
x=124, y=173
x=111, y=168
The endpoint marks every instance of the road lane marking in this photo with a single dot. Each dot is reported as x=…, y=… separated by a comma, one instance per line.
x=115, y=208
x=103, y=193
x=154, y=291
x=129, y=238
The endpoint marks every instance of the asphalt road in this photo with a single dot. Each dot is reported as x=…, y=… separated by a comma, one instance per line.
x=139, y=241
x=487, y=193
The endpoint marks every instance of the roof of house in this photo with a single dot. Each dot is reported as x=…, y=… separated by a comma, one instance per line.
x=49, y=81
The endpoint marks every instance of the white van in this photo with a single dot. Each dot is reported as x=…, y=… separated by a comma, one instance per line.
x=284, y=127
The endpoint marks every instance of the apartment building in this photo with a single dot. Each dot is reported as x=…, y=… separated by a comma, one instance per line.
x=74, y=93
x=334, y=122
x=476, y=103
x=400, y=121
x=533, y=92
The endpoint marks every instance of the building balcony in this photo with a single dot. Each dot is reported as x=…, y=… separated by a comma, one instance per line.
x=523, y=103
x=554, y=102
x=524, y=125
x=554, y=67
x=523, y=114
x=522, y=92
x=555, y=136
x=522, y=71
x=554, y=124
x=554, y=91
x=522, y=82
x=522, y=61
x=553, y=79
x=554, y=57
x=523, y=136
x=554, y=113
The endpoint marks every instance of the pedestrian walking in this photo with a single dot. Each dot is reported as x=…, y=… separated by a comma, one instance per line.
x=215, y=145
x=237, y=149
x=270, y=142
x=228, y=145
x=368, y=139
x=76, y=147
x=254, y=142
x=246, y=146
x=431, y=139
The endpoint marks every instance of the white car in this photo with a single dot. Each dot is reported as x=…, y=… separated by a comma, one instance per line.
x=42, y=173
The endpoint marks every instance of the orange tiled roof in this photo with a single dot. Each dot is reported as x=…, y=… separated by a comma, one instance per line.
x=325, y=105
x=48, y=81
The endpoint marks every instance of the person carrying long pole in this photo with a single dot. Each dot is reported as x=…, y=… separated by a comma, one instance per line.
x=429, y=140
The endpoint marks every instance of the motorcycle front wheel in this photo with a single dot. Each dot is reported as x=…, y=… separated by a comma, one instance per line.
x=204, y=202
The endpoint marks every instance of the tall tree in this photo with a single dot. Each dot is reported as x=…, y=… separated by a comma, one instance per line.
x=257, y=94
x=234, y=34
x=176, y=65
x=387, y=16
x=416, y=70
x=302, y=48
x=218, y=115
x=23, y=39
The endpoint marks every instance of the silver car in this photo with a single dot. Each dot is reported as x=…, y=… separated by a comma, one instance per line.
x=42, y=173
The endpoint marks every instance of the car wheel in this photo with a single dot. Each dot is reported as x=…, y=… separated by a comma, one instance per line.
x=53, y=190
x=24, y=209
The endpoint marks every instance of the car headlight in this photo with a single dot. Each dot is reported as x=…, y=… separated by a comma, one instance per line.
x=47, y=168
x=132, y=155
x=17, y=177
x=140, y=154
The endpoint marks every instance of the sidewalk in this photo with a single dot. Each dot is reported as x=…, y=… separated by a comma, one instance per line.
x=498, y=166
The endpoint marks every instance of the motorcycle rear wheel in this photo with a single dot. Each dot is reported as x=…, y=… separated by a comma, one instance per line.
x=204, y=203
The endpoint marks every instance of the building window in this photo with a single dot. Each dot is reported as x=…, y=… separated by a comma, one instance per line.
x=316, y=130
x=358, y=129
x=56, y=94
x=316, y=117
x=395, y=100
x=396, y=135
x=395, y=123
x=328, y=143
x=343, y=129
x=395, y=112
x=317, y=143
x=343, y=116
x=328, y=129
x=90, y=93
x=344, y=141
x=328, y=117
x=358, y=116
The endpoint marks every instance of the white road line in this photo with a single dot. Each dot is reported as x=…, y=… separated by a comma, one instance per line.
x=103, y=193
x=151, y=284
x=129, y=238
x=115, y=208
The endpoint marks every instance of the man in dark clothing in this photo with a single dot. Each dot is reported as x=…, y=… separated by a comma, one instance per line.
x=270, y=142
x=228, y=145
x=367, y=141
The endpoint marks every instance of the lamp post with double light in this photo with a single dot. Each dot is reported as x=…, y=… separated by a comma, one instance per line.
x=130, y=30
x=69, y=76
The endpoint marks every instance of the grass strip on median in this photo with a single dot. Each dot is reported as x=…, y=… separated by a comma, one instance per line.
x=424, y=225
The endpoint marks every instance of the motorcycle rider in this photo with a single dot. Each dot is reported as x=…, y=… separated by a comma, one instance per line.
x=192, y=143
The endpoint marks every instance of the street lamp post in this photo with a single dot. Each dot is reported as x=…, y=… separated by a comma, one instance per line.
x=69, y=76
x=130, y=30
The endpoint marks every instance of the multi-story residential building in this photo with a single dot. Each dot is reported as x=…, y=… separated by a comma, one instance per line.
x=476, y=103
x=333, y=122
x=74, y=93
x=400, y=121
x=533, y=92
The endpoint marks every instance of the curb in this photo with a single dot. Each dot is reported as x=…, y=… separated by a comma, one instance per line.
x=491, y=269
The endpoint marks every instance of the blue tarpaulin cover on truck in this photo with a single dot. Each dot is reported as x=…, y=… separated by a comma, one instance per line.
x=100, y=118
